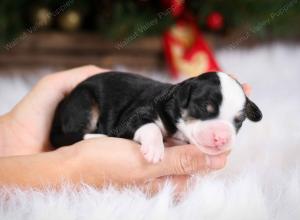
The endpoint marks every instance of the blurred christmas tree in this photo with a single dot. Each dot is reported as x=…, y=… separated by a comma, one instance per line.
x=117, y=19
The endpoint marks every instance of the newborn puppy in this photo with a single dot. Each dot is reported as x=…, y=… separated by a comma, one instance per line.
x=207, y=111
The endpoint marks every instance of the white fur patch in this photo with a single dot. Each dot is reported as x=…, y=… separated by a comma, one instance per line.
x=89, y=136
x=185, y=131
x=151, y=140
x=233, y=97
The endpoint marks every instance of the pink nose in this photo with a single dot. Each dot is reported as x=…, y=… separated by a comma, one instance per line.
x=215, y=136
x=220, y=138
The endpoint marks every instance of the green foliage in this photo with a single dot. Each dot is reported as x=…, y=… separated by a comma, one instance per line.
x=128, y=17
x=271, y=18
x=10, y=18
x=119, y=19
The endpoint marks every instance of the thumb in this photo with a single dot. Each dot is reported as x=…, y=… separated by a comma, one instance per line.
x=185, y=160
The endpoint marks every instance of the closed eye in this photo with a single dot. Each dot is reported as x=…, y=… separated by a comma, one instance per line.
x=210, y=108
x=203, y=110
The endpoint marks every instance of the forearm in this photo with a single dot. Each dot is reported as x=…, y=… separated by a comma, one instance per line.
x=38, y=170
x=4, y=133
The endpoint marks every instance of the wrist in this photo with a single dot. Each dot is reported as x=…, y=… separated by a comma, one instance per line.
x=38, y=170
x=81, y=166
x=69, y=162
x=75, y=165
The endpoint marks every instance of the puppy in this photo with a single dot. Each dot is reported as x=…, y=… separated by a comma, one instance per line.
x=207, y=111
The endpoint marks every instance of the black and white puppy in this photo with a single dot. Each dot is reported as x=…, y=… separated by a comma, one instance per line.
x=207, y=111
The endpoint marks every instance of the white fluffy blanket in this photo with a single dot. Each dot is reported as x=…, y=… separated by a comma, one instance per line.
x=261, y=180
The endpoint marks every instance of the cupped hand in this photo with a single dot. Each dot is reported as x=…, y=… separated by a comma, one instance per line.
x=28, y=125
x=104, y=160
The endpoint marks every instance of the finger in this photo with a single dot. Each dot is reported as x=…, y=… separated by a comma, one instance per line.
x=185, y=160
x=217, y=162
x=56, y=86
x=247, y=88
x=70, y=78
x=232, y=76
x=170, y=142
x=181, y=185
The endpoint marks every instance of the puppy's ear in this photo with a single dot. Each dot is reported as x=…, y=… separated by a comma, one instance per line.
x=253, y=113
x=184, y=94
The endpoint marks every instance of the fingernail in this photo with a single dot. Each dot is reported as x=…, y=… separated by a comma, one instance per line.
x=216, y=162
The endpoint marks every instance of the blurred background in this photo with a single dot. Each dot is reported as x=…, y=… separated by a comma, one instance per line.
x=165, y=39
x=63, y=34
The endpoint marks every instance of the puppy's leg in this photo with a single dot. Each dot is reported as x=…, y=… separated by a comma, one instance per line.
x=151, y=140
x=89, y=136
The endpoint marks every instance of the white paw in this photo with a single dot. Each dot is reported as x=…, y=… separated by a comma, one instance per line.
x=153, y=153
x=151, y=140
x=90, y=136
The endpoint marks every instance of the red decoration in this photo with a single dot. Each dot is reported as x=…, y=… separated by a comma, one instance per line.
x=215, y=21
x=186, y=50
x=176, y=6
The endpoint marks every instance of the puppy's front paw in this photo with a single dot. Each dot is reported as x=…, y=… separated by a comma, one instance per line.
x=151, y=139
x=153, y=153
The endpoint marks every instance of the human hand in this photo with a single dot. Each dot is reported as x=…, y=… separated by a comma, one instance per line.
x=104, y=160
x=246, y=87
x=28, y=124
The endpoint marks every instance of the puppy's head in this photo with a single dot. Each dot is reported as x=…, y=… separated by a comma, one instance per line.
x=213, y=108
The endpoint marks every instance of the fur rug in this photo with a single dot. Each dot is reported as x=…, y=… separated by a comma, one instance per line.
x=261, y=180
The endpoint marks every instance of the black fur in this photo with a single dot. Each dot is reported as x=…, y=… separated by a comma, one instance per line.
x=252, y=111
x=125, y=101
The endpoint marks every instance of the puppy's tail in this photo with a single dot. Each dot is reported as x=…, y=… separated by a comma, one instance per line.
x=75, y=116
